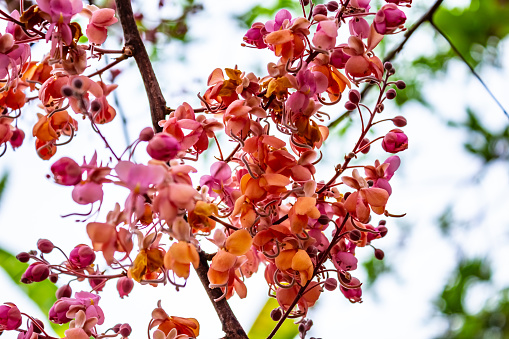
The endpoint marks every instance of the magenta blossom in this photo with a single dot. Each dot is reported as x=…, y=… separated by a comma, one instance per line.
x=395, y=141
x=60, y=13
x=353, y=294
x=139, y=178
x=279, y=21
x=310, y=84
x=65, y=309
x=359, y=27
x=388, y=19
x=36, y=272
x=100, y=19
x=10, y=317
x=81, y=256
x=124, y=286
x=254, y=35
x=66, y=172
x=381, y=174
x=361, y=4
x=17, y=138
x=345, y=261
x=326, y=33
x=218, y=180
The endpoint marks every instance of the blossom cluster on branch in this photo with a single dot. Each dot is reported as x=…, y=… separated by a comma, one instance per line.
x=263, y=203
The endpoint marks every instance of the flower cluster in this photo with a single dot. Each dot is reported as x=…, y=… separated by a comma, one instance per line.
x=263, y=201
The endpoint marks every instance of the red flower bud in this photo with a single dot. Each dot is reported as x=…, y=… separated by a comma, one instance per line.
x=163, y=147
x=64, y=292
x=45, y=246
x=395, y=141
x=36, y=272
x=399, y=121
x=82, y=256
x=124, y=286
x=17, y=138
x=146, y=134
x=388, y=19
x=66, y=171
x=10, y=317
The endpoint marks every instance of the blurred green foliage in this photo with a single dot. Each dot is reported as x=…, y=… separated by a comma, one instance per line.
x=263, y=324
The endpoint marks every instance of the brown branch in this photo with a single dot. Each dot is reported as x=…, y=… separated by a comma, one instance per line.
x=231, y=326
x=428, y=16
x=134, y=42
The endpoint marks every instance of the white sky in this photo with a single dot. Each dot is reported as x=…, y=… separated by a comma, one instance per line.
x=435, y=172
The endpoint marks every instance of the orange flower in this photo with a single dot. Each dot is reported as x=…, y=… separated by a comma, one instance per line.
x=179, y=258
x=299, y=214
x=166, y=323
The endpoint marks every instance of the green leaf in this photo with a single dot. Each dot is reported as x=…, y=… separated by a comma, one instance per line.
x=263, y=324
x=41, y=293
x=3, y=183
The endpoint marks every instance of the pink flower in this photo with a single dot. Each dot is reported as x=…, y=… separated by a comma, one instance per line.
x=65, y=309
x=60, y=13
x=17, y=138
x=395, y=141
x=254, y=35
x=279, y=21
x=139, y=178
x=66, y=172
x=362, y=62
x=309, y=84
x=163, y=147
x=388, y=19
x=361, y=4
x=97, y=28
x=10, y=317
x=406, y=3
x=353, y=294
x=326, y=33
x=359, y=27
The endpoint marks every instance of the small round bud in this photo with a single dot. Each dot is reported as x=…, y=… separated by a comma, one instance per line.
x=146, y=134
x=364, y=142
x=53, y=278
x=350, y=106
x=388, y=65
x=355, y=235
x=124, y=286
x=391, y=94
x=370, y=183
x=39, y=326
x=77, y=83
x=354, y=96
x=383, y=231
x=324, y=219
x=81, y=256
x=332, y=6
x=125, y=330
x=380, y=108
x=302, y=328
x=276, y=314
x=45, y=246
x=320, y=9
x=400, y=84
x=64, y=292
x=312, y=251
x=330, y=284
x=399, y=121
x=116, y=328
x=382, y=222
x=23, y=257
x=36, y=272
x=305, y=2
x=379, y=254
x=95, y=106
x=163, y=147
x=67, y=91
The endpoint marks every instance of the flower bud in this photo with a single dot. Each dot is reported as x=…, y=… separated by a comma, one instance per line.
x=45, y=246
x=125, y=330
x=64, y=292
x=395, y=141
x=39, y=326
x=53, y=278
x=124, y=286
x=391, y=94
x=276, y=314
x=17, y=138
x=387, y=65
x=305, y=2
x=355, y=235
x=36, y=272
x=350, y=106
x=324, y=219
x=319, y=9
x=10, y=317
x=23, y=257
x=388, y=19
x=81, y=256
x=116, y=328
x=146, y=134
x=66, y=172
x=163, y=147
x=77, y=83
x=332, y=6
x=330, y=284
x=354, y=96
x=399, y=121
x=364, y=142
x=379, y=254
x=383, y=231
x=95, y=106
x=400, y=84
x=97, y=284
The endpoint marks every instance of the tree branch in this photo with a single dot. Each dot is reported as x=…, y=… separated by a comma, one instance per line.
x=392, y=54
x=231, y=326
x=134, y=42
